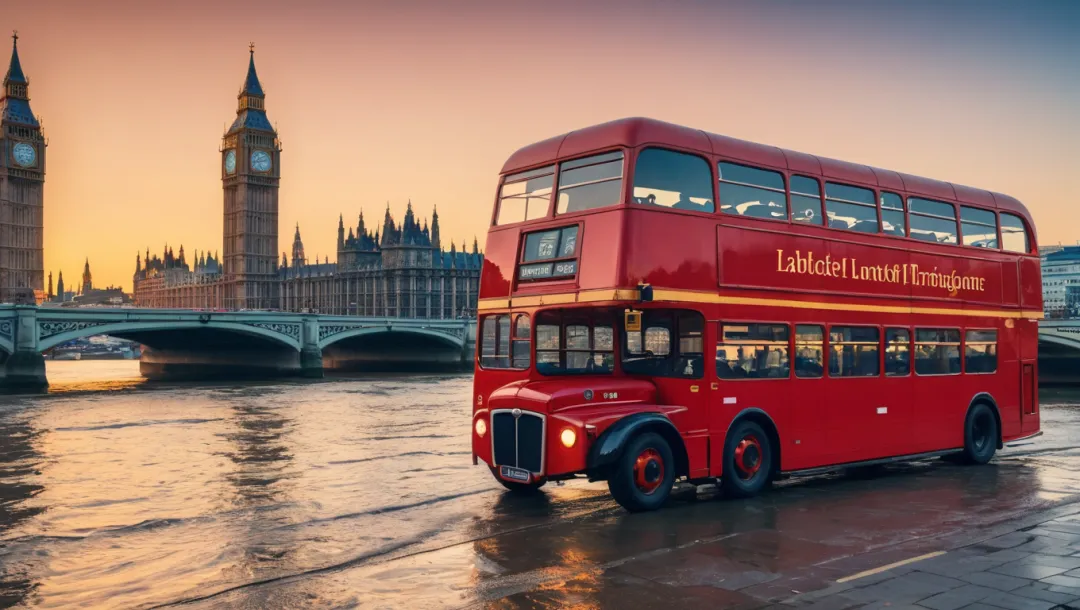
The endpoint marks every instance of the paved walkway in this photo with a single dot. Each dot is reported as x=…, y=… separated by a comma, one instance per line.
x=1034, y=567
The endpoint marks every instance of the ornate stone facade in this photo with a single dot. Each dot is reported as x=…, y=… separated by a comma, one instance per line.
x=401, y=272
x=397, y=270
x=22, y=182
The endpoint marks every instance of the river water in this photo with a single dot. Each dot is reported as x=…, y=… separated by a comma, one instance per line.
x=152, y=494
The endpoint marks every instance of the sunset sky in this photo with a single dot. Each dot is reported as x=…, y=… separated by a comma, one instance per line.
x=386, y=101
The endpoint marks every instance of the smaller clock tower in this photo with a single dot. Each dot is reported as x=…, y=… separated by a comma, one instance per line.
x=250, y=173
x=22, y=182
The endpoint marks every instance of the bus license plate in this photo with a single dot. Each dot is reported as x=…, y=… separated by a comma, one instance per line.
x=517, y=474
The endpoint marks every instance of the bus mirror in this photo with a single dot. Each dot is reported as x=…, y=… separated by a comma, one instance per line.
x=632, y=321
x=644, y=292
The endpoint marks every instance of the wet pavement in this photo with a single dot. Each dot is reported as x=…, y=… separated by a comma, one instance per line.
x=360, y=493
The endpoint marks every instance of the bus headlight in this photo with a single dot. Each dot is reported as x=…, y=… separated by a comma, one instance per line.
x=481, y=427
x=568, y=437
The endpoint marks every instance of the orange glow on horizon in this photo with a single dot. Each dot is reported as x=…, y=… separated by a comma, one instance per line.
x=424, y=101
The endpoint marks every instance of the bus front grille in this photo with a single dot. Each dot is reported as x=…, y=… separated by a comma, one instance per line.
x=518, y=441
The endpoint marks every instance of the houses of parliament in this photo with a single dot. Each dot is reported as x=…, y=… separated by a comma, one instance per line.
x=394, y=269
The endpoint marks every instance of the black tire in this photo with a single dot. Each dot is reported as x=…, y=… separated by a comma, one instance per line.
x=747, y=471
x=980, y=435
x=642, y=478
x=518, y=488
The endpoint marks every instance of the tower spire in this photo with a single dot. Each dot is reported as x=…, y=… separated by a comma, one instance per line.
x=15, y=98
x=15, y=71
x=251, y=83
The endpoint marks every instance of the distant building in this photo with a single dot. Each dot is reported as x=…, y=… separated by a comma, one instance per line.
x=396, y=270
x=1061, y=282
x=87, y=294
x=22, y=181
x=402, y=271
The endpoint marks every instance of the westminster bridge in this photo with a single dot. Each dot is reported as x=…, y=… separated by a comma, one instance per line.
x=204, y=344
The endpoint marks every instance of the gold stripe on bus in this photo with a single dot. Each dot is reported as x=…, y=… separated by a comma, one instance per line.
x=589, y=296
x=690, y=296
x=708, y=297
x=486, y=304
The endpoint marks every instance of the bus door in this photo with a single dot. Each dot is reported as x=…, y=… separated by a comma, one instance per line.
x=667, y=346
x=753, y=372
x=896, y=391
x=806, y=443
x=860, y=423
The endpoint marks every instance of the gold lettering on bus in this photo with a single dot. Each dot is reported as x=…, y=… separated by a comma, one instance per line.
x=907, y=274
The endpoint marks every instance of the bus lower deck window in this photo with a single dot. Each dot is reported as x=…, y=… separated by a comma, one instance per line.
x=853, y=351
x=937, y=351
x=809, y=351
x=980, y=351
x=752, y=351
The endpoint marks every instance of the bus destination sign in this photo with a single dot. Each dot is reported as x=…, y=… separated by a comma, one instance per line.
x=549, y=254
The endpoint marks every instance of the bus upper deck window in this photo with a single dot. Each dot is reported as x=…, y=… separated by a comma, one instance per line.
x=749, y=191
x=806, y=200
x=851, y=208
x=979, y=227
x=892, y=215
x=933, y=221
x=592, y=182
x=1013, y=234
x=672, y=180
x=525, y=196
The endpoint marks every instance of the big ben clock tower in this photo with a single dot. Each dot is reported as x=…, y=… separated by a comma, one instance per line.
x=22, y=185
x=250, y=173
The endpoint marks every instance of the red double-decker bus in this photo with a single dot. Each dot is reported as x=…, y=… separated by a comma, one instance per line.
x=658, y=302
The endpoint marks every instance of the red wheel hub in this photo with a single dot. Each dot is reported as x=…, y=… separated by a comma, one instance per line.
x=748, y=457
x=648, y=470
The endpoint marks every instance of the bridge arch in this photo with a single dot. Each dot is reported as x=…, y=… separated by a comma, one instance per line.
x=56, y=333
x=391, y=347
x=445, y=337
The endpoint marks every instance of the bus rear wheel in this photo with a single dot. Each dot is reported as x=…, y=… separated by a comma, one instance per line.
x=747, y=461
x=980, y=435
x=643, y=476
x=518, y=488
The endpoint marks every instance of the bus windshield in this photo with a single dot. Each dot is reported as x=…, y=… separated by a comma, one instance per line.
x=575, y=343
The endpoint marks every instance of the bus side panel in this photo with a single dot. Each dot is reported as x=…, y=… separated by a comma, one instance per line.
x=1007, y=380
x=500, y=258
x=1031, y=300
x=665, y=249
x=1030, y=287
x=1010, y=283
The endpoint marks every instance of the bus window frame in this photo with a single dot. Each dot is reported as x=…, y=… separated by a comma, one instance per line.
x=632, y=176
x=963, y=349
x=719, y=326
x=785, y=175
x=959, y=347
x=960, y=226
x=622, y=201
x=829, y=343
x=910, y=350
x=582, y=316
x=513, y=315
x=824, y=348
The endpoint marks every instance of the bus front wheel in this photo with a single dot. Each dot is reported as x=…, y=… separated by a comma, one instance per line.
x=747, y=461
x=980, y=435
x=643, y=476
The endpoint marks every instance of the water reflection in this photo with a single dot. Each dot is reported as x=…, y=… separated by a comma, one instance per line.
x=19, y=462
x=359, y=492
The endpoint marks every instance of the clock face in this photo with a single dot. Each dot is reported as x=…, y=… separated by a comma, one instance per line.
x=24, y=154
x=260, y=161
x=230, y=162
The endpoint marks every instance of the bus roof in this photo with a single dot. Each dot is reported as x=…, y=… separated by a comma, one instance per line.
x=637, y=131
